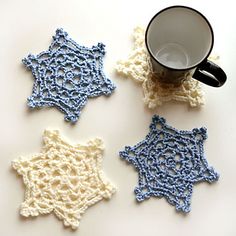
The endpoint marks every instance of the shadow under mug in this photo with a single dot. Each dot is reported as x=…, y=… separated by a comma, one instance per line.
x=179, y=40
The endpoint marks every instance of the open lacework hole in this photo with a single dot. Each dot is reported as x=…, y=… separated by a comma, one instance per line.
x=76, y=70
x=61, y=39
x=76, y=79
x=207, y=174
x=169, y=130
x=59, y=81
x=56, y=173
x=43, y=56
x=178, y=166
x=37, y=89
x=171, y=172
x=73, y=47
x=198, y=148
x=42, y=67
x=168, y=152
x=73, y=197
x=73, y=172
x=48, y=73
x=181, y=145
x=97, y=62
x=55, y=184
x=171, y=142
x=161, y=158
x=74, y=94
x=152, y=183
x=181, y=202
x=54, y=46
x=68, y=85
x=131, y=154
x=64, y=187
x=60, y=58
x=45, y=93
x=96, y=53
x=159, y=145
x=159, y=126
x=41, y=175
x=199, y=137
x=186, y=192
x=149, y=161
x=177, y=157
x=60, y=72
x=68, y=67
x=145, y=190
x=53, y=92
x=74, y=181
x=34, y=63
x=64, y=95
x=162, y=166
x=64, y=50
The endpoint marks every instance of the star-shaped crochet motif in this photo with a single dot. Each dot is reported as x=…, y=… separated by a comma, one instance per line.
x=138, y=68
x=66, y=75
x=63, y=179
x=169, y=162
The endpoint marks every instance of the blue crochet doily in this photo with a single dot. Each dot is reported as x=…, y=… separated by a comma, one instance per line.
x=66, y=75
x=169, y=162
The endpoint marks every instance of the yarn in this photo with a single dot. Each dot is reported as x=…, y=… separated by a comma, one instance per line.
x=138, y=68
x=169, y=162
x=66, y=75
x=65, y=179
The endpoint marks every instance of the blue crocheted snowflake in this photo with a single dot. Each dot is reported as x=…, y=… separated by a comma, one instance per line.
x=66, y=75
x=169, y=162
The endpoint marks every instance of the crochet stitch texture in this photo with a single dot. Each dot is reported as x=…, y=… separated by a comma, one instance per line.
x=66, y=75
x=169, y=162
x=64, y=179
x=138, y=68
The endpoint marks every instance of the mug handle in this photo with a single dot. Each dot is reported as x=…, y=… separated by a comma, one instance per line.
x=209, y=73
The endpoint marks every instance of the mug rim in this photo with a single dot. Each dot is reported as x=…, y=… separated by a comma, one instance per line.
x=168, y=67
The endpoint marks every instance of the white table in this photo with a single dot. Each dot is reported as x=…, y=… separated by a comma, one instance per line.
x=27, y=26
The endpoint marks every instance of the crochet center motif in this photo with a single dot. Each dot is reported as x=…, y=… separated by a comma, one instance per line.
x=169, y=162
x=63, y=179
x=67, y=75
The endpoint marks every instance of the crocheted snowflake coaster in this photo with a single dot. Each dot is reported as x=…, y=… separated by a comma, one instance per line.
x=138, y=68
x=63, y=179
x=169, y=162
x=66, y=75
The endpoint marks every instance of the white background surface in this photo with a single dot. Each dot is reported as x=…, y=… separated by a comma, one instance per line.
x=27, y=26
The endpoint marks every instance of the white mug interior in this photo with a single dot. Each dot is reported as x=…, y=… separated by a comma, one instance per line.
x=179, y=37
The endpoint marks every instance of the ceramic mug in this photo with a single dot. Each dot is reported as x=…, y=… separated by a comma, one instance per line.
x=179, y=40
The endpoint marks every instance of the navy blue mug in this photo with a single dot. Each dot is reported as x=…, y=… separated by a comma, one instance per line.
x=179, y=40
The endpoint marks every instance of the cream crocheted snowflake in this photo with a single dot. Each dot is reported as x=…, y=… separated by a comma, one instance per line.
x=63, y=179
x=138, y=68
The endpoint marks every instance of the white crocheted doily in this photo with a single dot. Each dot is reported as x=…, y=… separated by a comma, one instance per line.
x=137, y=67
x=65, y=179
